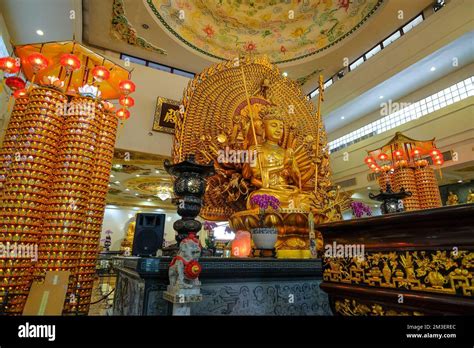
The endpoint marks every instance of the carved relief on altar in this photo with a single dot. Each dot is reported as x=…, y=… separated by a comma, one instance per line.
x=267, y=298
x=447, y=272
x=350, y=307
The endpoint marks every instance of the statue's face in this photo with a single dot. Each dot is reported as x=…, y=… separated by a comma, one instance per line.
x=190, y=250
x=273, y=130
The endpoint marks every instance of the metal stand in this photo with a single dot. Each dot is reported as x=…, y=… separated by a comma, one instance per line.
x=189, y=187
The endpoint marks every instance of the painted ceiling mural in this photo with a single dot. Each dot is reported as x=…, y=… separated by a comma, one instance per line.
x=283, y=30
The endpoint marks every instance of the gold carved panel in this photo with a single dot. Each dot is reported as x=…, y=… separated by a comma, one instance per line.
x=446, y=272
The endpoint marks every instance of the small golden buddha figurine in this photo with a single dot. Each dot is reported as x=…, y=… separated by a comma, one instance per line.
x=452, y=199
x=128, y=240
x=470, y=197
x=276, y=171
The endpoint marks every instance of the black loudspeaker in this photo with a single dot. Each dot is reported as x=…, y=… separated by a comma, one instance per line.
x=149, y=233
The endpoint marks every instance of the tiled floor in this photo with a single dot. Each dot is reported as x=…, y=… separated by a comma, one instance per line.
x=102, y=286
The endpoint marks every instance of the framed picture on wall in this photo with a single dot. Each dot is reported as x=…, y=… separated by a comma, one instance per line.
x=165, y=114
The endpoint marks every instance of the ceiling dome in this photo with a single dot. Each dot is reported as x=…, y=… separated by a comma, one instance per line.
x=284, y=31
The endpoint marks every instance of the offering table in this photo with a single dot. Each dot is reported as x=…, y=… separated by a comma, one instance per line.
x=230, y=286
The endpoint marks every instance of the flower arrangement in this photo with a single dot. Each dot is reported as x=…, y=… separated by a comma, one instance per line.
x=209, y=226
x=264, y=202
x=360, y=209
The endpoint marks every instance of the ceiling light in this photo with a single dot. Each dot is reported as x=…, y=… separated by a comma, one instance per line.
x=342, y=117
x=136, y=194
x=460, y=181
x=157, y=171
x=127, y=189
x=149, y=199
x=109, y=185
x=381, y=97
x=285, y=74
x=369, y=188
x=40, y=32
x=376, y=206
x=112, y=176
x=117, y=182
x=168, y=218
x=138, y=175
x=118, y=166
x=433, y=68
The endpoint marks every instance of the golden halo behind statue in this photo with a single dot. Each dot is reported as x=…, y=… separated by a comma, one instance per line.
x=216, y=115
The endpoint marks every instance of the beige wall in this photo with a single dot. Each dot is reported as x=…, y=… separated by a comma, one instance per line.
x=432, y=34
x=452, y=126
x=435, y=87
x=151, y=83
x=117, y=219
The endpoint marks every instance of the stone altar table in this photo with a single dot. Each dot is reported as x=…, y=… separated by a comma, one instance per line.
x=249, y=286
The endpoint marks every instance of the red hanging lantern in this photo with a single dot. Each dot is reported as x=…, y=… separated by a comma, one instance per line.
x=439, y=161
x=15, y=83
x=10, y=65
x=127, y=87
x=373, y=166
x=126, y=101
x=383, y=156
x=416, y=152
x=398, y=153
x=435, y=152
x=20, y=93
x=123, y=114
x=37, y=61
x=369, y=160
x=100, y=73
x=70, y=62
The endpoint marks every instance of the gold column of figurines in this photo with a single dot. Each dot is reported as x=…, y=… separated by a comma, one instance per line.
x=7, y=153
x=404, y=177
x=384, y=177
x=26, y=190
x=403, y=159
x=9, y=271
x=95, y=209
x=427, y=186
x=61, y=238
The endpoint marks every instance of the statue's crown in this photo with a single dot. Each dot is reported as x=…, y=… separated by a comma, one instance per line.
x=273, y=112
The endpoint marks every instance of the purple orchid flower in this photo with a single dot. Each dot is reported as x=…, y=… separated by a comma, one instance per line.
x=360, y=209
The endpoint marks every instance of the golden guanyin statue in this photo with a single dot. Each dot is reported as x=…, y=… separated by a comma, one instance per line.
x=470, y=197
x=452, y=199
x=277, y=170
x=264, y=136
